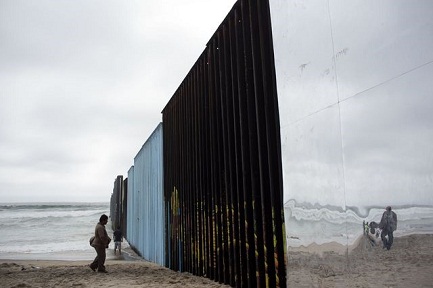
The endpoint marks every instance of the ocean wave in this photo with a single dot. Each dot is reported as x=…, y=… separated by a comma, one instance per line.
x=49, y=227
x=50, y=215
x=71, y=246
x=39, y=211
x=47, y=206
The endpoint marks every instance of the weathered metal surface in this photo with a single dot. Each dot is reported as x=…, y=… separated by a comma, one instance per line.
x=146, y=216
x=118, y=204
x=222, y=158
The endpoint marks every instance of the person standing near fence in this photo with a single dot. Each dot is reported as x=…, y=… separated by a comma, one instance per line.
x=100, y=243
x=118, y=238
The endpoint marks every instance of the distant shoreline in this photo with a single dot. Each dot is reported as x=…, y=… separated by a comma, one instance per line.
x=71, y=256
x=54, y=203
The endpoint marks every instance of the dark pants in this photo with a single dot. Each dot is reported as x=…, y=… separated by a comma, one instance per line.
x=99, y=259
x=387, y=243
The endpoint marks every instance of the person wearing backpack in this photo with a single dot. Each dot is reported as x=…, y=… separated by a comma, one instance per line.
x=388, y=224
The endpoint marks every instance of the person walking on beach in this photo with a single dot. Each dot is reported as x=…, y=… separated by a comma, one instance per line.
x=100, y=243
x=118, y=238
x=388, y=224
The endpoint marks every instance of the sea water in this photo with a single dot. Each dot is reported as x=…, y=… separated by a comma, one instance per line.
x=50, y=231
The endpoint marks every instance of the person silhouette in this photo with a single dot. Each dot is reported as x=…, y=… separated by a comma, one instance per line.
x=100, y=243
x=118, y=238
x=388, y=224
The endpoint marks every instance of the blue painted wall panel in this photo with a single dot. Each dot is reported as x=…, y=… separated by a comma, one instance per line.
x=131, y=232
x=146, y=202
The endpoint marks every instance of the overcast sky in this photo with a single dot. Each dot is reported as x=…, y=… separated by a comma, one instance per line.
x=83, y=84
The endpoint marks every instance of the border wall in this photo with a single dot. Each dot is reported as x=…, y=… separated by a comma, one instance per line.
x=353, y=85
x=222, y=158
x=146, y=216
x=118, y=204
x=218, y=170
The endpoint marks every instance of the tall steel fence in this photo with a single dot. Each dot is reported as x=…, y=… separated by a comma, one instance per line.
x=118, y=204
x=222, y=158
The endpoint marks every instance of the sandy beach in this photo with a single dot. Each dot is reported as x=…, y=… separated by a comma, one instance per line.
x=122, y=273
x=407, y=264
x=125, y=270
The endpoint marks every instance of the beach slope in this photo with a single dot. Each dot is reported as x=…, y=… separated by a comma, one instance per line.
x=34, y=273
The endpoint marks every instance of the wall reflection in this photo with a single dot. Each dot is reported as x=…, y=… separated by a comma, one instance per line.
x=355, y=99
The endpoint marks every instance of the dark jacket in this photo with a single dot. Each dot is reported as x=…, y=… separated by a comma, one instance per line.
x=388, y=221
x=117, y=235
x=101, y=236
